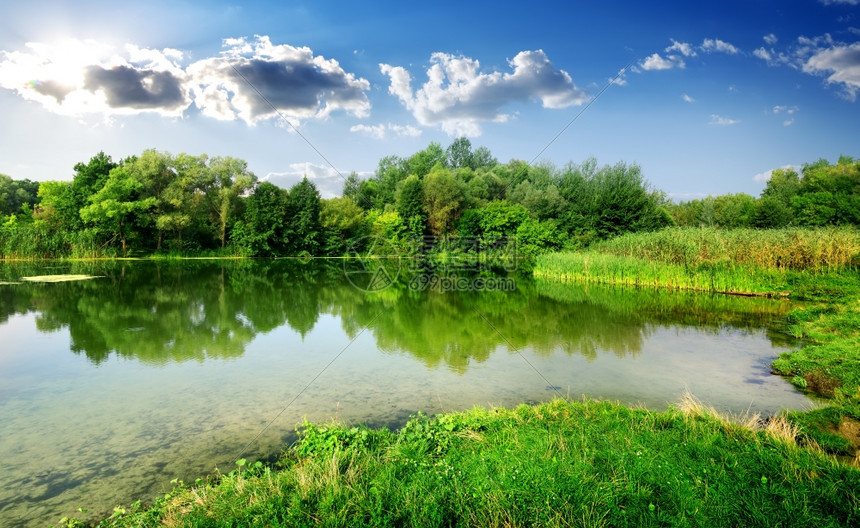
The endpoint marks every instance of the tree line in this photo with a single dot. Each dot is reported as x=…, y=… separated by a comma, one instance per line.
x=159, y=203
x=822, y=194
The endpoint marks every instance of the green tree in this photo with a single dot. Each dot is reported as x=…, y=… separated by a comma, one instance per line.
x=771, y=212
x=783, y=185
x=459, y=154
x=89, y=178
x=303, y=212
x=444, y=197
x=57, y=206
x=229, y=180
x=17, y=193
x=265, y=225
x=116, y=208
x=409, y=203
x=342, y=220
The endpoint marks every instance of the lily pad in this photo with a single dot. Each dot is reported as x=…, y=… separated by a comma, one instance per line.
x=58, y=278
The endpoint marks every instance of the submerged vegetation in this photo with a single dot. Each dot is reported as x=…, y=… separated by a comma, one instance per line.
x=555, y=464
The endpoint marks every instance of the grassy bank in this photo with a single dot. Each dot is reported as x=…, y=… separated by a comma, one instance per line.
x=820, y=266
x=556, y=464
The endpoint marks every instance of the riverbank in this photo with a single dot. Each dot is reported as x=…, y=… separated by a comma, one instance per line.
x=817, y=266
x=555, y=464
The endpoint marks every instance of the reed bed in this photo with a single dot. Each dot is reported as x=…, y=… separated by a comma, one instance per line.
x=741, y=261
x=792, y=248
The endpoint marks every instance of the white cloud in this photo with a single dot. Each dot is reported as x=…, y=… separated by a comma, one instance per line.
x=327, y=180
x=842, y=63
x=763, y=54
x=722, y=121
x=770, y=39
x=709, y=45
x=788, y=122
x=688, y=99
x=459, y=97
x=76, y=77
x=299, y=84
x=656, y=62
x=844, y=2
x=380, y=131
x=765, y=176
x=780, y=109
x=683, y=48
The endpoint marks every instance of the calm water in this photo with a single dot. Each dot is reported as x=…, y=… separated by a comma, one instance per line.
x=110, y=388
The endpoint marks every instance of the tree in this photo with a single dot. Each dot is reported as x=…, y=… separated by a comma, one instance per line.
x=266, y=221
x=459, y=154
x=16, y=193
x=770, y=212
x=180, y=199
x=541, y=203
x=155, y=171
x=352, y=190
x=341, y=219
x=57, y=206
x=229, y=179
x=409, y=204
x=303, y=213
x=783, y=185
x=423, y=161
x=89, y=179
x=444, y=197
x=117, y=205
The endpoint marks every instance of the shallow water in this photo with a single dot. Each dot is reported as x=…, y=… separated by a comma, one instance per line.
x=110, y=388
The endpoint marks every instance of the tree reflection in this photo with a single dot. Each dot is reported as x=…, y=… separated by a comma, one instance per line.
x=162, y=311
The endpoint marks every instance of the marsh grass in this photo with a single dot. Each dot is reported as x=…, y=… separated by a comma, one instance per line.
x=560, y=463
x=742, y=261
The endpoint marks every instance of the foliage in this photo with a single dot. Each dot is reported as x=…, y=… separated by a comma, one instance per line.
x=16, y=193
x=304, y=231
x=544, y=465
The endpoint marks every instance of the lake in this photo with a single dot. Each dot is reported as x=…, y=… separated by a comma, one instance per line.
x=155, y=370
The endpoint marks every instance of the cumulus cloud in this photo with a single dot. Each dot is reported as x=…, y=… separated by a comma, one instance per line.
x=687, y=99
x=770, y=39
x=763, y=54
x=683, y=48
x=245, y=81
x=843, y=2
x=254, y=80
x=76, y=77
x=722, y=120
x=711, y=45
x=129, y=87
x=841, y=64
x=657, y=62
x=327, y=180
x=381, y=131
x=459, y=97
x=675, y=54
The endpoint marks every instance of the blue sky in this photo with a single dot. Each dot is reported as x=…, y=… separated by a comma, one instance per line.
x=717, y=93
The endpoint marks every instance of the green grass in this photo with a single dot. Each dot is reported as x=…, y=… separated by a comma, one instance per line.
x=555, y=464
x=805, y=264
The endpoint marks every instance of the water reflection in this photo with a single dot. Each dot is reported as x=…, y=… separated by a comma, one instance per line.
x=176, y=366
x=158, y=312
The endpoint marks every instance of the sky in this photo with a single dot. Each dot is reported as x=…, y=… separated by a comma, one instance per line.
x=706, y=97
